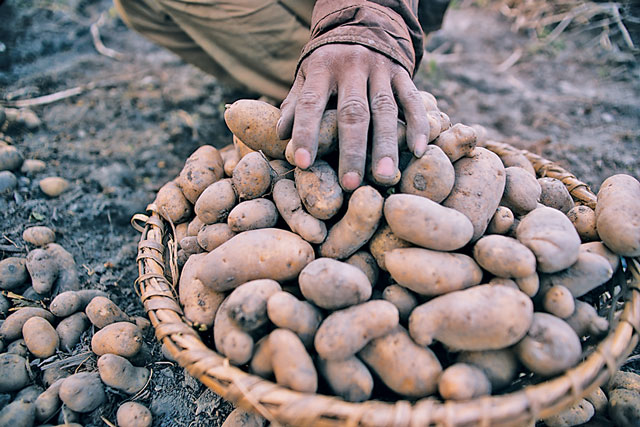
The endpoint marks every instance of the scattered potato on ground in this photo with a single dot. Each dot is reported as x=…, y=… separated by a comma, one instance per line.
x=48, y=402
x=53, y=186
x=133, y=414
x=241, y=418
x=11, y=328
x=555, y=194
x=13, y=372
x=461, y=381
x=18, y=414
x=319, y=189
x=69, y=302
x=618, y=214
x=101, y=311
x=38, y=235
x=13, y=273
x=121, y=338
x=10, y=158
x=117, y=372
x=624, y=379
x=82, y=392
x=41, y=338
x=253, y=214
x=70, y=329
x=292, y=365
x=350, y=379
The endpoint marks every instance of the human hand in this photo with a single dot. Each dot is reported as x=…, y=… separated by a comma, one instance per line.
x=367, y=84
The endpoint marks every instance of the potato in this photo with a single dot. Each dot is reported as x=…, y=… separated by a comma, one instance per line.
x=598, y=399
x=583, y=219
x=43, y=269
x=439, y=272
x=403, y=366
x=500, y=366
x=429, y=101
x=501, y=221
x=577, y=414
x=230, y=162
x=521, y=192
x=215, y=203
x=349, y=379
x=332, y=284
x=551, y=237
x=261, y=360
x=252, y=176
x=516, y=158
x=587, y=273
x=247, y=304
x=18, y=347
x=70, y=302
x=558, y=301
x=367, y=264
x=190, y=245
x=281, y=169
x=32, y=166
x=10, y=158
x=213, y=235
x=230, y=340
x=199, y=302
x=402, y=298
x=5, y=305
x=435, y=125
x=241, y=418
x=423, y=222
x=461, y=381
x=40, y=337
x=529, y=285
x=457, y=142
x=555, y=194
x=253, y=214
x=172, y=203
x=241, y=148
x=319, y=189
x=480, y=181
x=550, y=346
x=618, y=214
x=483, y=317
x=254, y=122
x=121, y=338
x=182, y=231
x=501, y=281
x=345, y=332
x=11, y=328
x=117, y=372
x=585, y=320
x=51, y=374
x=193, y=228
x=13, y=273
x=101, y=311
x=504, y=256
x=289, y=205
x=48, y=402
x=133, y=414
x=292, y=365
x=384, y=241
x=600, y=249
x=18, y=414
x=202, y=168
x=288, y=312
x=13, y=372
x=53, y=186
x=39, y=235
x=357, y=226
x=70, y=329
x=282, y=254
x=82, y=392
x=624, y=407
x=431, y=176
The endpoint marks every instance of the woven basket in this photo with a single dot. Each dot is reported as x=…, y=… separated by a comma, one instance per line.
x=156, y=288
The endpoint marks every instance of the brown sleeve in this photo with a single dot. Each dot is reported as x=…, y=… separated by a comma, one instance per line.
x=390, y=27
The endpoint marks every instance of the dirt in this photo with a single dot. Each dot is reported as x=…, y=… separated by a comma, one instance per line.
x=137, y=119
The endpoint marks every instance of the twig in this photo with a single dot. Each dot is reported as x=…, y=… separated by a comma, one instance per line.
x=510, y=61
x=10, y=248
x=625, y=34
x=97, y=41
x=107, y=422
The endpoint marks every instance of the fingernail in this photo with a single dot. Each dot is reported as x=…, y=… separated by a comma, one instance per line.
x=302, y=158
x=350, y=181
x=278, y=132
x=385, y=167
x=421, y=146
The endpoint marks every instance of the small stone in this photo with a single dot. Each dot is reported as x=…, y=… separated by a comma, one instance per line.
x=54, y=186
x=8, y=182
x=10, y=158
x=32, y=166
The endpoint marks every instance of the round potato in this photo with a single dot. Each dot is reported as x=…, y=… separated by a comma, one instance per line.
x=584, y=220
x=215, y=202
x=13, y=372
x=133, y=414
x=555, y=194
x=319, y=189
x=252, y=176
x=431, y=176
x=121, y=338
x=461, y=381
x=213, y=235
x=117, y=372
x=172, y=204
x=39, y=235
x=13, y=273
x=201, y=169
x=82, y=392
x=350, y=379
x=288, y=312
x=501, y=222
x=11, y=328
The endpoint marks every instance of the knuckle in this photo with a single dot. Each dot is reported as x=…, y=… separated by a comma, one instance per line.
x=353, y=110
x=310, y=101
x=383, y=103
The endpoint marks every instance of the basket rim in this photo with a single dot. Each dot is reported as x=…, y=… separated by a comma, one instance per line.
x=282, y=405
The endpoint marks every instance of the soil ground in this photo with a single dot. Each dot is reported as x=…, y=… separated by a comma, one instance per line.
x=130, y=131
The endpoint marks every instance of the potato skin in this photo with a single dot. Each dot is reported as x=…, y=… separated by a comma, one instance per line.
x=38, y=235
x=288, y=312
x=101, y=312
x=504, y=256
x=69, y=302
x=213, y=235
x=600, y=249
x=559, y=302
x=40, y=337
x=367, y=264
x=577, y=414
x=70, y=329
x=423, y=222
x=516, y=158
x=13, y=273
x=618, y=214
x=172, y=203
x=587, y=273
x=247, y=304
x=624, y=407
x=332, y=284
x=230, y=340
x=500, y=366
x=121, y=338
x=289, y=205
x=585, y=320
x=253, y=214
x=357, y=226
x=555, y=194
x=283, y=255
x=521, y=192
x=13, y=372
x=551, y=237
x=18, y=413
x=215, y=202
x=583, y=219
x=82, y=392
x=11, y=328
x=133, y=414
x=48, y=402
x=383, y=241
x=403, y=366
x=252, y=176
x=461, y=381
x=457, y=142
x=292, y=365
x=402, y=298
x=439, y=272
x=431, y=176
x=501, y=221
x=198, y=301
x=345, y=332
x=478, y=189
x=484, y=317
x=117, y=372
x=201, y=169
x=350, y=379
x=319, y=189
x=550, y=346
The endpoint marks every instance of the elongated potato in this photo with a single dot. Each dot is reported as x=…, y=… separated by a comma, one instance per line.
x=70, y=302
x=247, y=304
x=587, y=273
x=289, y=205
x=117, y=372
x=500, y=366
x=40, y=337
x=43, y=269
x=319, y=189
x=431, y=176
x=332, y=284
x=439, y=272
x=18, y=413
x=82, y=392
x=193, y=228
x=367, y=264
x=70, y=330
x=521, y=191
x=241, y=418
x=479, y=185
x=292, y=365
x=253, y=214
x=577, y=414
x=213, y=235
x=350, y=379
x=13, y=273
x=172, y=203
x=516, y=158
x=402, y=298
x=529, y=285
x=549, y=347
x=423, y=222
x=403, y=366
x=199, y=302
x=357, y=226
x=345, y=332
x=504, y=256
x=457, y=142
x=202, y=168
x=483, y=317
x=600, y=249
x=282, y=256
x=584, y=220
x=215, y=203
x=555, y=194
x=461, y=381
x=384, y=241
x=585, y=320
x=288, y=312
x=13, y=372
x=11, y=328
x=261, y=360
x=252, y=176
x=618, y=214
x=121, y=338
x=551, y=237
x=48, y=402
x=230, y=340
x=501, y=221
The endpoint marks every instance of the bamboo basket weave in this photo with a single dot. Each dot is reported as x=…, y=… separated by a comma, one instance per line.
x=156, y=286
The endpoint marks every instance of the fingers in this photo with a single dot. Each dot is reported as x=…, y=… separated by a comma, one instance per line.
x=384, y=114
x=287, y=109
x=414, y=112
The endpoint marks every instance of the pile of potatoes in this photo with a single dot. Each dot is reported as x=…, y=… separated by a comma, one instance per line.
x=45, y=316
x=463, y=274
